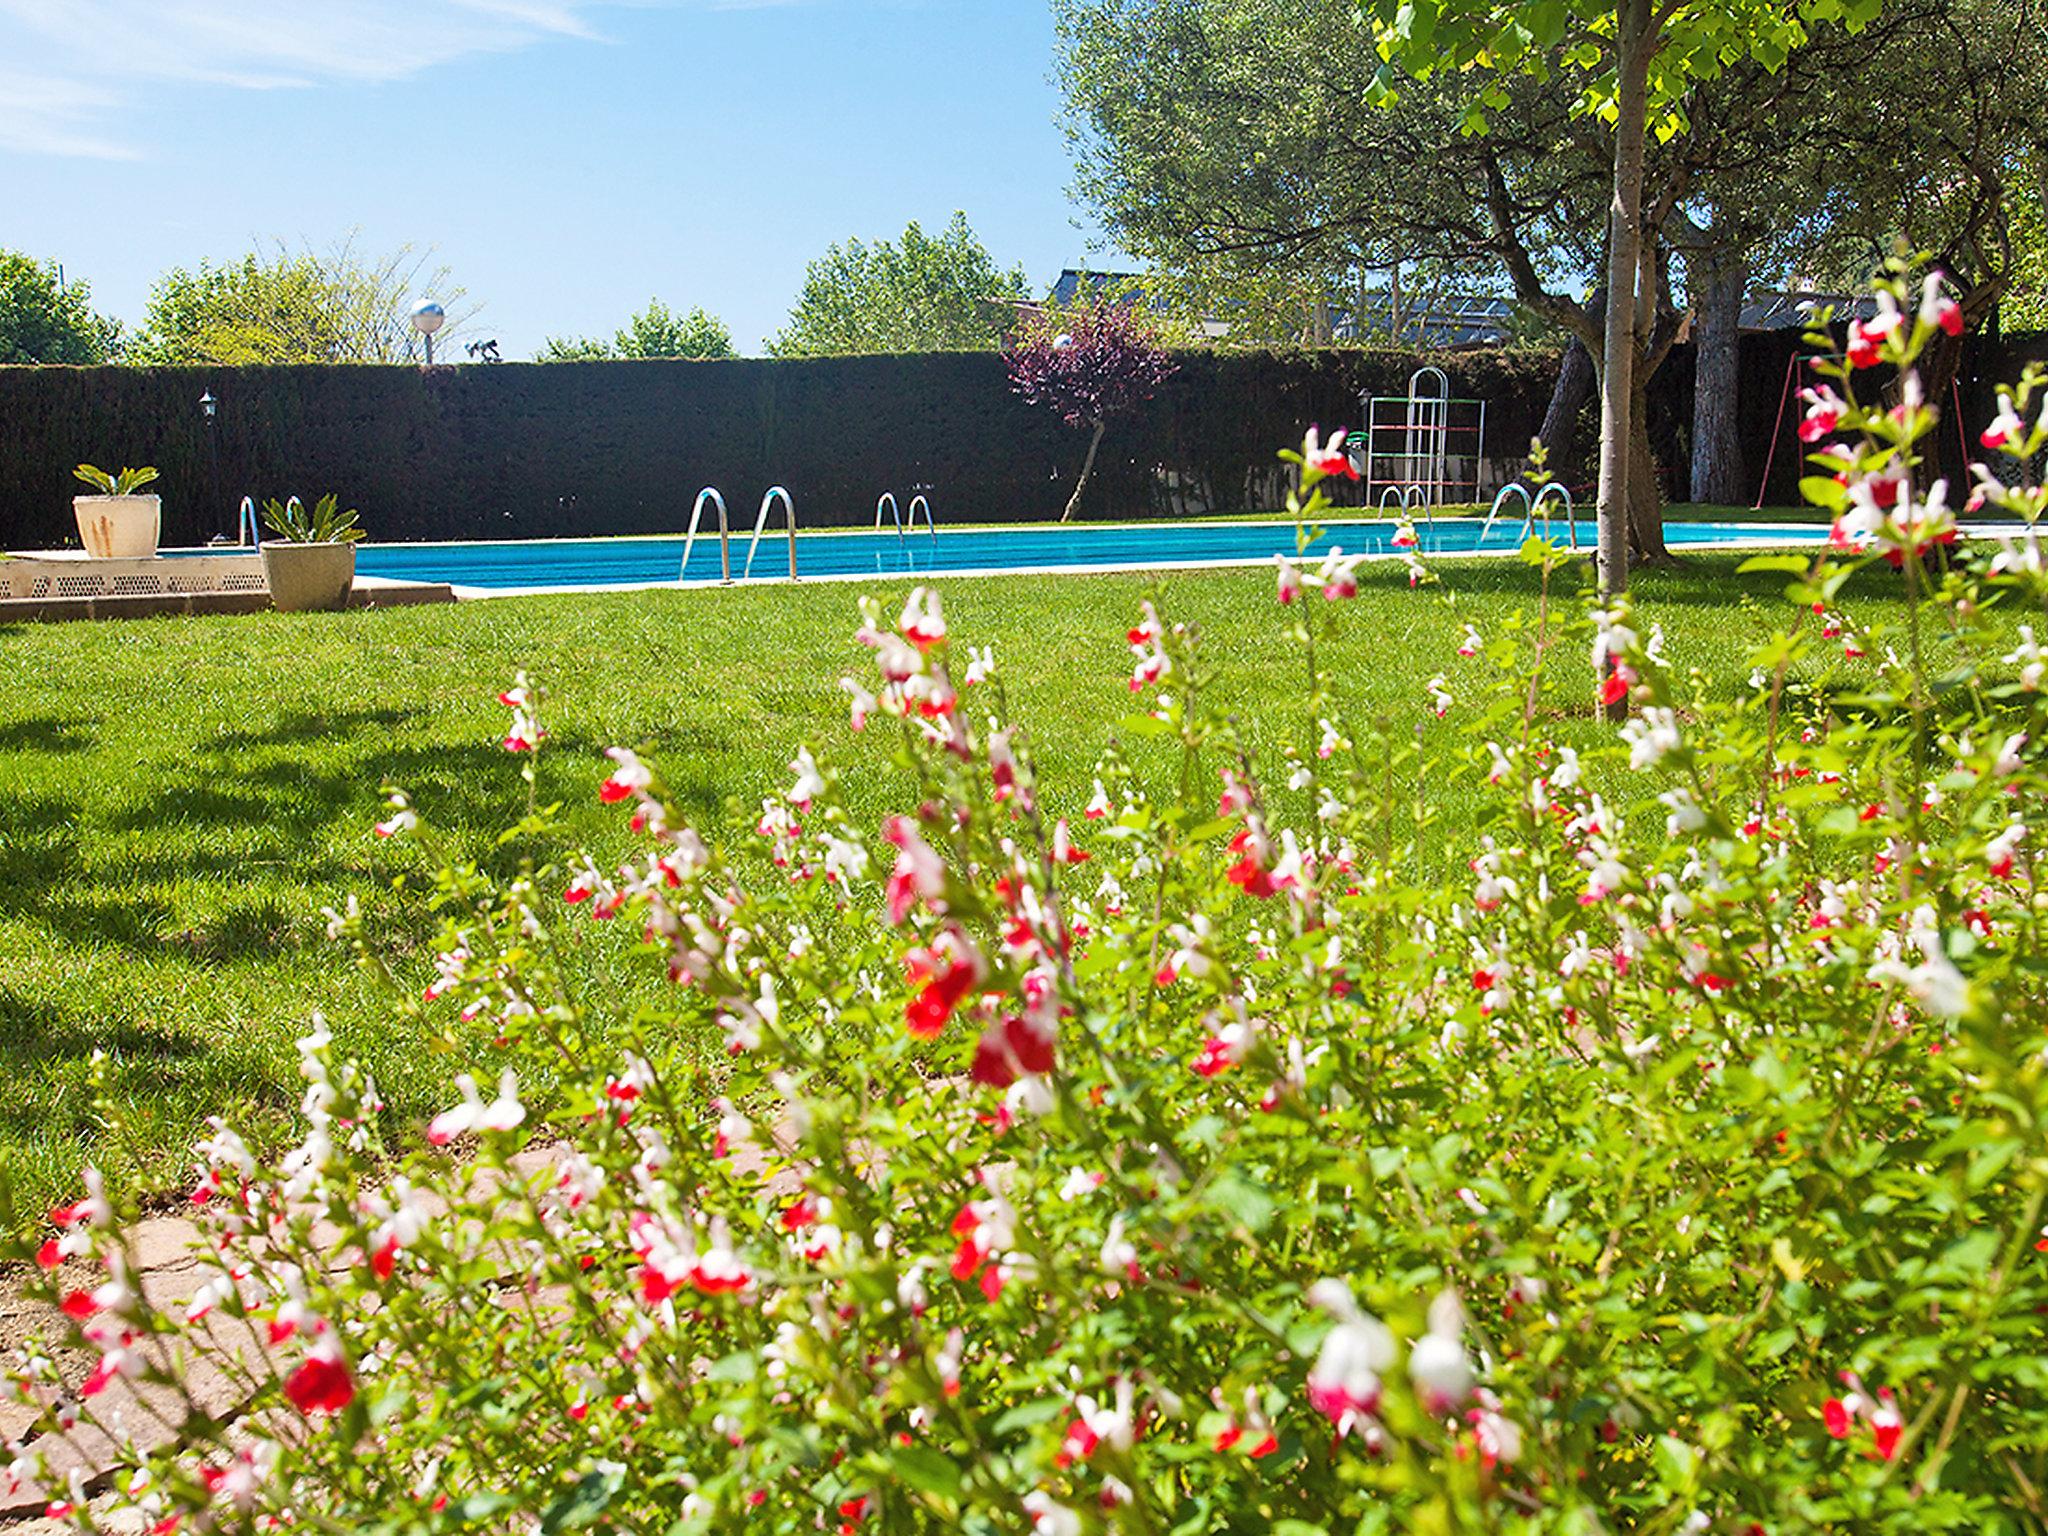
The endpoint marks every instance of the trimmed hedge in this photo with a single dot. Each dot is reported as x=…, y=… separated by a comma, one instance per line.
x=533, y=451
x=527, y=450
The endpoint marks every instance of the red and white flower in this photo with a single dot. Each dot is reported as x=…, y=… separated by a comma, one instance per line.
x=1344, y=1384
x=504, y=1113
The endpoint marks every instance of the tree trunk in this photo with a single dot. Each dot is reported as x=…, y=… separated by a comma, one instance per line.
x=1645, y=493
x=1938, y=367
x=1577, y=378
x=1717, y=469
x=1087, y=469
x=1624, y=248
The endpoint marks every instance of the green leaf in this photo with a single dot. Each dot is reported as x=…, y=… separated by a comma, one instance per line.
x=926, y=1470
x=1026, y=1416
x=581, y=1505
x=734, y=1367
x=1824, y=491
x=1678, y=1464
x=1250, y=1206
x=480, y=1506
x=1795, y=565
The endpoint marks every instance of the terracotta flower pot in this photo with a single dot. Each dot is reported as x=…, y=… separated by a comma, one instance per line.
x=119, y=527
x=309, y=578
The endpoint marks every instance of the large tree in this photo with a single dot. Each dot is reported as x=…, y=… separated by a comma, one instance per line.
x=1647, y=55
x=922, y=293
x=43, y=319
x=1945, y=162
x=656, y=331
x=287, y=305
x=1236, y=139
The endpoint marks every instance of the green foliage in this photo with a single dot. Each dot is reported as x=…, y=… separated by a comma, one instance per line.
x=44, y=320
x=1682, y=43
x=1210, y=1158
x=917, y=294
x=327, y=523
x=126, y=483
x=655, y=331
x=294, y=306
x=199, y=964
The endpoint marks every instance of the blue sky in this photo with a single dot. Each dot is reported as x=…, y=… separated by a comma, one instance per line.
x=569, y=159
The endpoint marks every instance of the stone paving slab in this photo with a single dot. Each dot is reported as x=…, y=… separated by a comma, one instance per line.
x=172, y=1262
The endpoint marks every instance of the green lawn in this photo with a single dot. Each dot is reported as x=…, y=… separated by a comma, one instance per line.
x=180, y=798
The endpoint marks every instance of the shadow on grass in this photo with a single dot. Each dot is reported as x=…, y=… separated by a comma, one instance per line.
x=35, y=1031
x=46, y=733
x=291, y=804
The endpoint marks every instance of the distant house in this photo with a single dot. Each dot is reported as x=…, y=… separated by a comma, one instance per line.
x=1446, y=323
x=1793, y=311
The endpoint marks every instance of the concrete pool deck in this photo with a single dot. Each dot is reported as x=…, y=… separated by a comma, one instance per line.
x=54, y=585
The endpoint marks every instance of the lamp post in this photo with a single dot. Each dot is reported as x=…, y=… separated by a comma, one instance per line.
x=209, y=408
x=427, y=318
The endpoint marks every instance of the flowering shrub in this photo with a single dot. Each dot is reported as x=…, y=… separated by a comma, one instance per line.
x=1088, y=364
x=1167, y=1158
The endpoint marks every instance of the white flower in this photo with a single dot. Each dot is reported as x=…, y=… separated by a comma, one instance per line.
x=1651, y=736
x=1437, y=1363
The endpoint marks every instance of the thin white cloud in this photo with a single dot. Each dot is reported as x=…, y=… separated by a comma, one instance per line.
x=42, y=115
x=72, y=66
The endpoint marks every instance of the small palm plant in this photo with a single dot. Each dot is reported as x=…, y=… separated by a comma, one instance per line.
x=126, y=483
x=327, y=523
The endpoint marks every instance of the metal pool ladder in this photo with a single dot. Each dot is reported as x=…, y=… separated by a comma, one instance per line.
x=775, y=493
x=1553, y=490
x=889, y=500
x=711, y=495
x=247, y=530
x=1405, y=499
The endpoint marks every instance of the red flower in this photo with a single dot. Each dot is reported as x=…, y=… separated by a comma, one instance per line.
x=321, y=1384
x=928, y=1012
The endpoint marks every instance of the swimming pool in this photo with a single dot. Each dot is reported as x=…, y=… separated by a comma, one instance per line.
x=553, y=564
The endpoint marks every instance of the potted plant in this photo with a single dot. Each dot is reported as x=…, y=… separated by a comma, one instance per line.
x=310, y=564
x=117, y=524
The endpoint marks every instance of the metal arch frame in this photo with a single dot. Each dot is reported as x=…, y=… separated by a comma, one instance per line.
x=775, y=493
x=1429, y=419
x=1423, y=433
x=710, y=494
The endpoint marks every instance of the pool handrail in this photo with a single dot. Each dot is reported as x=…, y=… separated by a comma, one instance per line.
x=1512, y=488
x=1549, y=491
x=775, y=493
x=902, y=522
x=1571, y=516
x=710, y=494
x=1409, y=497
x=248, y=531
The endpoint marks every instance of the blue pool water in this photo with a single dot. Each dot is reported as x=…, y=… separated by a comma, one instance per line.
x=645, y=562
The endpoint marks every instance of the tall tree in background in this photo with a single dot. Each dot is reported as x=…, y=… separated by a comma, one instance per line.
x=46, y=320
x=656, y=331
x=284, y=305
x=1647, y=55
x=1944, y=162
x=918, y=294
